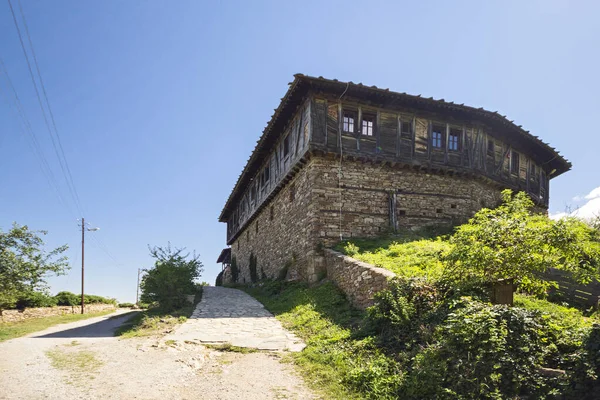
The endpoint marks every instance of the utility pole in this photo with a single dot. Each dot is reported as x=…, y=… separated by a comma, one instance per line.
x=137, y=290
x=82, y=259
x=83, y=229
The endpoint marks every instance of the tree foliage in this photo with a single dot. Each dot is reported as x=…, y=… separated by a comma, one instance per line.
x=25, y=265
x=171, y=278
x=512, y=242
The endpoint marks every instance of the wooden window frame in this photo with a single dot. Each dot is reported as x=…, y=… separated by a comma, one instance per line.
x=351, y=114
x=406, y=134
x=457, y=134
x=441, y=140
x=513, y=170
x=491, y=147
x=286, y=146
x=368, y=117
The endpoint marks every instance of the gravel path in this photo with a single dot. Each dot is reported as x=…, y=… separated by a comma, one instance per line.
x=83, y=360
x=231, y=316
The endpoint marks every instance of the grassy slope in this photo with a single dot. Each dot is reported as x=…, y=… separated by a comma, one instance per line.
x=11, y=330
x=153, y=322
x=407, y=255
x=323, y=318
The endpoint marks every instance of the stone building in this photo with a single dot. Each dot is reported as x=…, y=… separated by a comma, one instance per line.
x=339, y=160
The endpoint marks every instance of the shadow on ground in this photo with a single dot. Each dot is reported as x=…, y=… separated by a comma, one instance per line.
x=103, y=328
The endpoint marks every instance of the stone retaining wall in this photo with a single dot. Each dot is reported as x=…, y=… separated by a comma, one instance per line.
x=41, y=312
x=357, y=279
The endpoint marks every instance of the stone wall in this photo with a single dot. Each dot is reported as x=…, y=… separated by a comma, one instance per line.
x=357, y=279
x=304, y=217
x=280, y=234
x=41, y=312
x=421, y=199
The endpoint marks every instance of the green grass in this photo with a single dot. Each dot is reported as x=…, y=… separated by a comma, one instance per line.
x=407, y=256
x=11, y=330
x=336, y=352
x=561, y=317
x=74, y=361
x=153, y=322
x=229, y=348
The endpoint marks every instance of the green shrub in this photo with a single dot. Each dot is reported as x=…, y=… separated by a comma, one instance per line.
x=219, y=280
x=235, y=271
x=481, y=351
x=126, y=305
x=171, y=279
x=585, y=372
x=67, y=299
x=35, y=299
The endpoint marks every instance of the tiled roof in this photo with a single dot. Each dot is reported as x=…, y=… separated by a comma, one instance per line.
x=303, y=83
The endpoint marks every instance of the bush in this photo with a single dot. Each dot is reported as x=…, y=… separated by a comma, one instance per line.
x=586, y=367
x=72, y=299
x=235, y=272
x=126, y=305
x=219, y=280
x=35, y=299
x=67, y=299
x=171, y=279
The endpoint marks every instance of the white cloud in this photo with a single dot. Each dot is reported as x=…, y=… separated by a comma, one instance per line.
x=589, y=210
x=594, y=194
x=577, y=198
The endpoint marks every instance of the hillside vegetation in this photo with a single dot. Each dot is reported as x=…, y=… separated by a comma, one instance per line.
x=435, y=334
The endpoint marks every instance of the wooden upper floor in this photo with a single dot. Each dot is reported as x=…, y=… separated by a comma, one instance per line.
x=360, y=122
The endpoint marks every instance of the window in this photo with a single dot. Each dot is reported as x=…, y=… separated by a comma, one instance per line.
x=253, y=194
x=402, y=212
x=271, y=213
x=491, y=147
x=454, y=139
x=292, y=193
x=348, y=121
x=452, y=205
x=367, y=125
x=533, y=171
x=439, y=211
x=437, y=136
x=514, y=162
x=265, y=176
x=256, y=226
x=286, y=146
x=406, y=129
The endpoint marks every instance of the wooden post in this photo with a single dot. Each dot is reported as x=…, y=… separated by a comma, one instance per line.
x=82, y=260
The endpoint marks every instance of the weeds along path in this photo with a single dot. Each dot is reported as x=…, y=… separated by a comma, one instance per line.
x=84, y=360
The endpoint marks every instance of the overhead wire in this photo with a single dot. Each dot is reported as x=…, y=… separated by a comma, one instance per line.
x=59, y=154
x=30, y=135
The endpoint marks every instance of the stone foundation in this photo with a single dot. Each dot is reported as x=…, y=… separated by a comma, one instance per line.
x=358, y=280
x=304, y=217
x=41, y=312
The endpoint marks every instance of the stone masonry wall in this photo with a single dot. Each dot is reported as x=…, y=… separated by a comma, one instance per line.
x=280, y=234
x=422, y=198
x=41, y=312
x=304, y=217
x=357, y=279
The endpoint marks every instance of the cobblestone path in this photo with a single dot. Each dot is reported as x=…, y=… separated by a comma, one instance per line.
x=231, y=316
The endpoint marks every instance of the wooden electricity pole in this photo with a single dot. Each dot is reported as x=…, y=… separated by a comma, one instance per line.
x=137, y=290
x=82, y=259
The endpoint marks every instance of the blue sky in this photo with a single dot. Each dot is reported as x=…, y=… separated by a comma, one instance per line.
x=159, y=103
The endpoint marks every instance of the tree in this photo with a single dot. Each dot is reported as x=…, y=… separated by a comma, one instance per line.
x=512, y=242
x=171, y=278
x=25, y=265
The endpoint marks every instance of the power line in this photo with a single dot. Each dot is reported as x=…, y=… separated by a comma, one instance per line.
x=31, y=137
x=61, y=160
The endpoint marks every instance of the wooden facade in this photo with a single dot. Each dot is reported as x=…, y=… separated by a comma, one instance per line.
x=352, y=121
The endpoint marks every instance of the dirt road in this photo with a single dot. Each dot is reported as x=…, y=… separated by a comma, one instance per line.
x=83, y=360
